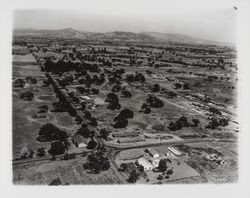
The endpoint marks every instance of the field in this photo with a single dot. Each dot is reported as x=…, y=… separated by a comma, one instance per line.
x=25, y=125
x=69, y=172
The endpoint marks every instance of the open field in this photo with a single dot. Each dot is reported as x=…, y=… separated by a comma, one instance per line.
x=71, y=172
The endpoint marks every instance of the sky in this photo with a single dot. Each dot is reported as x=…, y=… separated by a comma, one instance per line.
x=213, y=22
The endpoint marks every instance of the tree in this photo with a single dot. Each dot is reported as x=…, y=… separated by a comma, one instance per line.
x=145, y=109
x=59, y=107
x=57, y=148
x=94, y=91
x=92, y=144
x=123, y=167
x=19, y=83
x=224, y=122
x=179, y=124
x=141, y=168
x=183, y=121
x=31, y=154
x=113, y=101
x=155, y=88
x=41, y=152
x=186, y=86
x=138, y=77
x=153, y=101
x=78, y=119
x=133, y=177
x=162, y=167
x=55, y=182
x=104, y=133
x=149, y=72
x=170, y=171
x=97, y=162
x=93, y=121
x=85, y=132
x=215, y=111
x=116, y=88
x=112, y=97
x=50, y=132
x=177, y=85
x=27, y=96
x=114, y=105
x=196, y=122
x=213, y=124
x=120, y=123
x=125, y=93
x=125, y=113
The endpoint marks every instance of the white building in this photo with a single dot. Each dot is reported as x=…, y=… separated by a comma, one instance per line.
x=79, y=141
x=175, y=151
x=145, y=163
x=152, y=152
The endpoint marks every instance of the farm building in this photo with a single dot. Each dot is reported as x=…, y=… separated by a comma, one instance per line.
x=145, y=163
x=79, y=141
x=125, y=134
x=129, y=140
x=175, y=151
x=152, y=153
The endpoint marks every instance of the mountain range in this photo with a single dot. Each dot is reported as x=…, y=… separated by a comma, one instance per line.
x=150, y=37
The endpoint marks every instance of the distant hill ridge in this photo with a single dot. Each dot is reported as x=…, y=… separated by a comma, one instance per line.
x=117, y=35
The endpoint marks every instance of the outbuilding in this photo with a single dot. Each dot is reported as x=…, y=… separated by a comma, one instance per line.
x=79, y=141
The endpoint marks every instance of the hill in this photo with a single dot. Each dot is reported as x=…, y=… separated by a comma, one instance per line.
x=151, y=37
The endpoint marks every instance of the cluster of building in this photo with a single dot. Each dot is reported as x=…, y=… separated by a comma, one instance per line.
x=151, y=161
x=215, y=158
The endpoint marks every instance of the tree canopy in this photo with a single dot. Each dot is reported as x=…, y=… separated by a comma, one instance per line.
x=50, y=132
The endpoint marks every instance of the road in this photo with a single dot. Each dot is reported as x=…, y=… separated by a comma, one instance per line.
x=113, y=164
x=42, y=159
x=187, y=141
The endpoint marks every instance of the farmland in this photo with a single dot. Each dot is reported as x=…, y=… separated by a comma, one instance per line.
x=118, y=112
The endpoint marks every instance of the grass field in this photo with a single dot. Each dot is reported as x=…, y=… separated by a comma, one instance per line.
x=71, y=172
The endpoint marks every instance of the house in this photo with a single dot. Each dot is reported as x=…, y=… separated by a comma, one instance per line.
x=79, y=141
x=145, y=163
